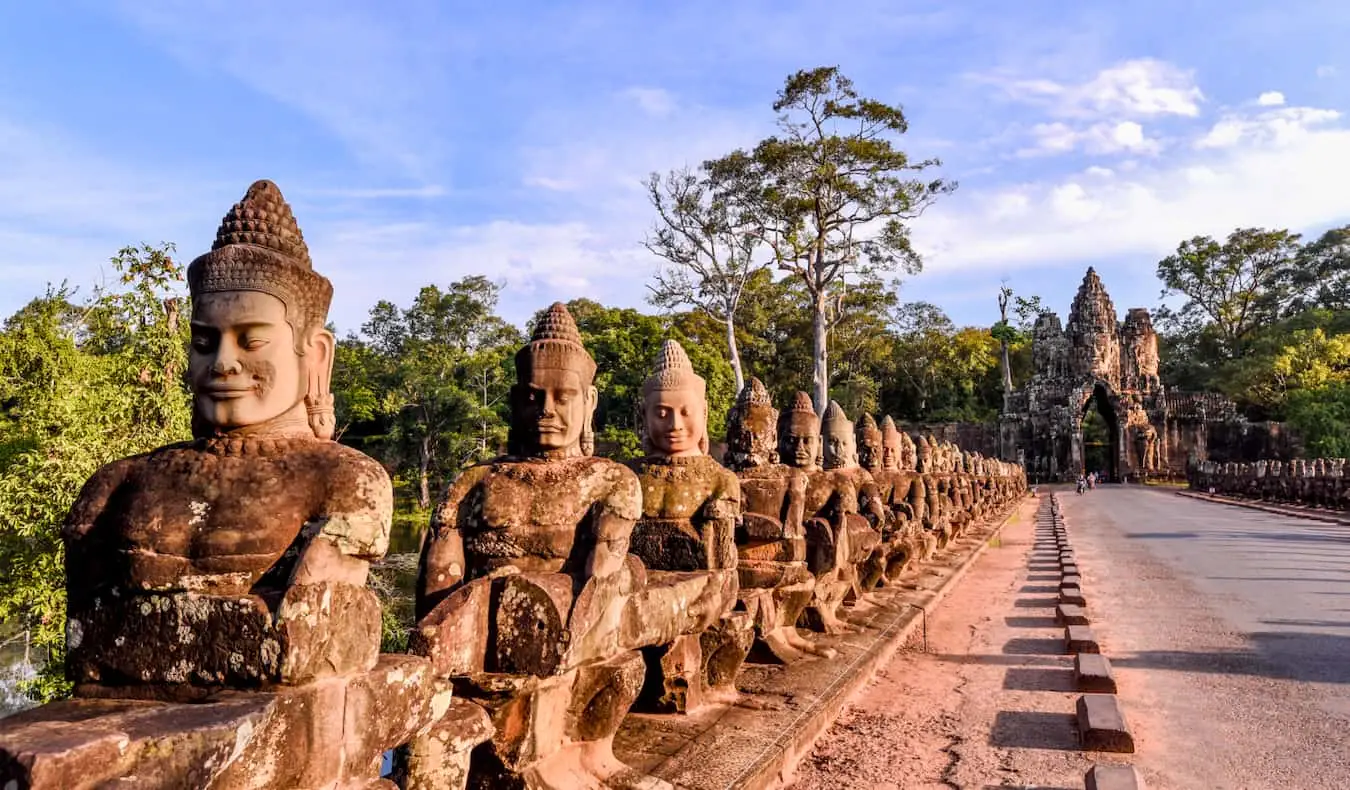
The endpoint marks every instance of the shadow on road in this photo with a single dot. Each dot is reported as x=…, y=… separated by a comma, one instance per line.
x=1283, y=655
x=1030, y=622
x=1048, y=679
x=1034, y=730
x=1033, y=646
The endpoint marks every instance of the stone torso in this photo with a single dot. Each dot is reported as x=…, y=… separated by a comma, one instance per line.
x=830, y=493
x=225, y=516
x=535, y=514
x=689, y=510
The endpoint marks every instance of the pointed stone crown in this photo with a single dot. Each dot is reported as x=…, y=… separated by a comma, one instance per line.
x=259, y=247
x=867, y=428
x=754, y=393
x=672, y=370
x=800, y=415
x=889, y=433
x=555, y=345
x=834, y=421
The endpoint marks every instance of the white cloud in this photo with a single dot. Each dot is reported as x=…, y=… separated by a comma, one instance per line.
x=1280, y=168
x=1100, y=138
x=1142, y=87
x=1279, y=127
x=1270, y=99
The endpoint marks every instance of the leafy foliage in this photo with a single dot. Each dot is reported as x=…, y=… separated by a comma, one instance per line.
x=81, y=384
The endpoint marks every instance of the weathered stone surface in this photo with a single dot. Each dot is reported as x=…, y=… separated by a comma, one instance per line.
x=1080, y=639
x=1101, y=724
x=1072, y=595
x=1071, y=614
x=1113, y=777
x=1092, y=672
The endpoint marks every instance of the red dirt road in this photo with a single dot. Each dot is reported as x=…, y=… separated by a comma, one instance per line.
x=989, y=704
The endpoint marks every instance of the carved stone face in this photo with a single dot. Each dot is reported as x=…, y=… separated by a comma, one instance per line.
x=871, y=451
x=800, y=447
x=676, y=421
x=841, y=450
x=552, y=407
x=243, y=363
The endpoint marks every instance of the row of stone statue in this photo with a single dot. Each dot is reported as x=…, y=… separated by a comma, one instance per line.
x=1319, y=482
x=221, y=632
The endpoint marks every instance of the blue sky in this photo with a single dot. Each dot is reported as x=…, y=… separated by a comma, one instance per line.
x=440, y=140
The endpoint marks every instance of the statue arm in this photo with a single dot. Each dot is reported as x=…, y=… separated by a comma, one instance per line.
x=794, y=507
x=440, y=564
x=722, y=513
x=354, y=530
x=85, y=544
x=620, y=507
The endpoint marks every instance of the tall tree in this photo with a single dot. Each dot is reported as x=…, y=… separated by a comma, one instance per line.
x=1320, y=275
x=1005, y=335
x=712, y=251
x=830, y=195
x=1231, y=288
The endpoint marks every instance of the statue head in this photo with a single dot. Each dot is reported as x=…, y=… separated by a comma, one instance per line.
x=870, y=443
x=892, y=447
x=908, y=452
x=674, y=406
x=261, y=358
x=553, y=400
x=836, y=434
x=799, y=434
x=752, y=428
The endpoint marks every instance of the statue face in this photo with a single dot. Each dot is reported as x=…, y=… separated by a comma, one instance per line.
x=243, y=364
x=552, y=408
x=676, y=421
x=871, y=452
x=840, y=450
x=800, y=448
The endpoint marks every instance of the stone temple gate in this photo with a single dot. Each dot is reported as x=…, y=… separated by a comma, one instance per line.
x=1095, y=364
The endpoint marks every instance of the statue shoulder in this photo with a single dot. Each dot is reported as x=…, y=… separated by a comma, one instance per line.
x=614, y=485
x=97, y=490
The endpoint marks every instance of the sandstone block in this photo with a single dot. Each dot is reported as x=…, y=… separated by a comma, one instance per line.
x=1092, y=671
x=1072, y=595
x=1080, y=639
x=1101, y=724
x=1113, y=777
x=1071, y=614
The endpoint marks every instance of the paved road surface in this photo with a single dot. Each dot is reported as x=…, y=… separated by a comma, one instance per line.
x=1230, y=629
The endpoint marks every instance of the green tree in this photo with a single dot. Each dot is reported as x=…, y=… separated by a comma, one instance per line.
x=1320, y=275
x=81, y=385
x=1231, y=289
x=712, y=250
x=830, y=195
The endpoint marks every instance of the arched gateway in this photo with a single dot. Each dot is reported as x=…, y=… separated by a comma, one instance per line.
x=1100, y=375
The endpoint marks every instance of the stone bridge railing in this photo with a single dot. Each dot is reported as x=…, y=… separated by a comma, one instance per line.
x=1319, y=482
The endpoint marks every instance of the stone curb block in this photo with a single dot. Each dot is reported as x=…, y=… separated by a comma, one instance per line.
x=1071, y=614
x=1113, y=777
x=1101, y=724
x=1070, y=581
x=1072, y=595
x=1080, y=639
x=1069, y=569
x=1092, y=672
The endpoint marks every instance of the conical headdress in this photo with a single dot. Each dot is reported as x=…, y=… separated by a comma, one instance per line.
x=555, y=345
x=259, y=247
x=801, y=416
x=867, y=428
x=672, y=371
x=835, y=422
x=889, y=433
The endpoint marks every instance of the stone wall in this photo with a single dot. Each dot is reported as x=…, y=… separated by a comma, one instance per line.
x=975, y=437
x=1319, y=483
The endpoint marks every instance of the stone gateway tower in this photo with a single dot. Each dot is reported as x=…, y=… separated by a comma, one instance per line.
x=1096, y=363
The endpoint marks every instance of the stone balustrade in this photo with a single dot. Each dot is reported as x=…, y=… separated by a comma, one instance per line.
x=1318, y=482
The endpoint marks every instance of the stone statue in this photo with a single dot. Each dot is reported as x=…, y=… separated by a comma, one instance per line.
x=691, y=506
x=841, y=458
x=775, y=584
x=258, y=533
x=527, y=594
x=221, y=633
x=879, y=452
x=831, y=514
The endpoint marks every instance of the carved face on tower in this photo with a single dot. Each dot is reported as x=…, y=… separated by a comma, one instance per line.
x=799, y=434
x=674, y=406
x=752, y=428
x=871, y=447
x=836, y=432
x=554, y=398
x=260, y=357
